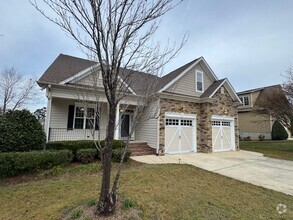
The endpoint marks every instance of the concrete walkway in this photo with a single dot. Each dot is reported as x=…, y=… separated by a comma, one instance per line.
x=242, y=165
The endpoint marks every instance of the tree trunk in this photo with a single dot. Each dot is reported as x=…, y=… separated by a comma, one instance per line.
x=107, y=201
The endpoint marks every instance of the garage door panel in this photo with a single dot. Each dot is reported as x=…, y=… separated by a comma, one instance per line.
x=216, y=138
x=179, y=134
x=187, y=139
x=172, y=139
x=222, y=135
x=227, y=138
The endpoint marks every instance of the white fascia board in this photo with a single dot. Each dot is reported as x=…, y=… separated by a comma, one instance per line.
x=87, y=72
x=80, y=74
x=187, y=70
x=217, y=89
x=232, y=92
x=209, y=68
x=125, y=84
x=179, y=76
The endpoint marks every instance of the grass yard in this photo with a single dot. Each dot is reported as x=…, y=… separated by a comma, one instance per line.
x=275, y=149
x=159, y=191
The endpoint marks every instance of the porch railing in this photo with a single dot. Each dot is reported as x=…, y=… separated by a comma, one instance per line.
x=64, y=134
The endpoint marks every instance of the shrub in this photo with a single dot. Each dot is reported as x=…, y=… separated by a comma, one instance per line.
x=73, y=146
x=86, y=155
x=261, y=137
x=279, y=132
x=117, y=144
x=248, y=138
x=20, y=131
x=117, y=154
x=15, y=163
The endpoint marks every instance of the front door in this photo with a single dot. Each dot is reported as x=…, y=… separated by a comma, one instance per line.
x=125, y=125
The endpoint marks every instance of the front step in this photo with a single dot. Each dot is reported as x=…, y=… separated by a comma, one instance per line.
x=140, y=149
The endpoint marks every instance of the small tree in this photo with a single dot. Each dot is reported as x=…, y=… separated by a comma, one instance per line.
x=279, y=132
x=20, y=131
x=15, y=90
x=118, y=35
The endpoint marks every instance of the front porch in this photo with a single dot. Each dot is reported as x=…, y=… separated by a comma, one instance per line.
x=72, y=119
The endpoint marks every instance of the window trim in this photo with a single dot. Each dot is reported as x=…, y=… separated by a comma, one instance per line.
x=85, y=106
x=242, y=99
x=196, y=81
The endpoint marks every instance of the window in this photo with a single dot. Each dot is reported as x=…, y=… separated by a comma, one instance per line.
x=199, y=81
x=225, y=123
x=85, y=117
x=244, y=100
x=216, y=123
x=170, y=121
x=186, y=122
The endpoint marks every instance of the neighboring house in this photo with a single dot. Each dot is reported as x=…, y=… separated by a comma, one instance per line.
x=253, y=121
x=196, y=112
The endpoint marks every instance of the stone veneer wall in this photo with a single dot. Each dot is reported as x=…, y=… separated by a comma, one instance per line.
x=223, y=105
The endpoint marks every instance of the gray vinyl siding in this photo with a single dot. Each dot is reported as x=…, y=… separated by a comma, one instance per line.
x=186, y=85
x=147, y=129
x=58, y=122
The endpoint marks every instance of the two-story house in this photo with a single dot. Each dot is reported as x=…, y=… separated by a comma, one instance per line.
x=255, y=121
x=197, y=112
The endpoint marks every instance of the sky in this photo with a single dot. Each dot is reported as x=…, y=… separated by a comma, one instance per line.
x=250, y=42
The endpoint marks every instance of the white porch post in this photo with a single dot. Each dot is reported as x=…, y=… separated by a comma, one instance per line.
x=116, y=133
x=48, y=114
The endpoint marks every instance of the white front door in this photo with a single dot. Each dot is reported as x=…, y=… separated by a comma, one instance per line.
x=223, y=134
x=180, y=133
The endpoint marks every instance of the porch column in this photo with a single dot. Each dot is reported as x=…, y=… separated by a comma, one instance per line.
x=48, y=114
x=116, y=133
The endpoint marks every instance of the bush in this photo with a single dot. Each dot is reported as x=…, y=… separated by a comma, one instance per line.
x=279, y=132
x=20, y=131
x=73, y=146
x=15, y=163
x=117, y=154
x=86, y=155
x=117, y=144
x=261, y=137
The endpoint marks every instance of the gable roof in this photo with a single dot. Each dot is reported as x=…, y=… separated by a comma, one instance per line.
x=169, y=79
x=63, y=67
x=66, y=68
x=209, y=93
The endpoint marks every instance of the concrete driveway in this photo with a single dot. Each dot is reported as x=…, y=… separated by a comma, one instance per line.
x=242, y=165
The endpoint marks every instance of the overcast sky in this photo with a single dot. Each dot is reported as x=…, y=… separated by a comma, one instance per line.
x=248, y=41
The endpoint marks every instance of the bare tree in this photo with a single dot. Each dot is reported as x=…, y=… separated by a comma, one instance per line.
x=118, y=35
x=15, y=90
x=275, y=102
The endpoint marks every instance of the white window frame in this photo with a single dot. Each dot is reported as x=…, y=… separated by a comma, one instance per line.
x=196, y=81
x=85, y=107
x=242, y=99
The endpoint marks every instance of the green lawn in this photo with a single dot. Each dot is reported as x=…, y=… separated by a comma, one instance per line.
x=160, y=192
x=276, y=149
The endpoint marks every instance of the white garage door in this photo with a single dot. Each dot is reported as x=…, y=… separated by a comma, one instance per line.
x=180, y=134
x=223, y=134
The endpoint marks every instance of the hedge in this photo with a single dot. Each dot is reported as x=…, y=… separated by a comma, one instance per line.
x=86, y=155
x=76, y=146
x=15, y=163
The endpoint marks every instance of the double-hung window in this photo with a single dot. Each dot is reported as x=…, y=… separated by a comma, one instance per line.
x=199, y=81
x=85, y=117
x=244, y=100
